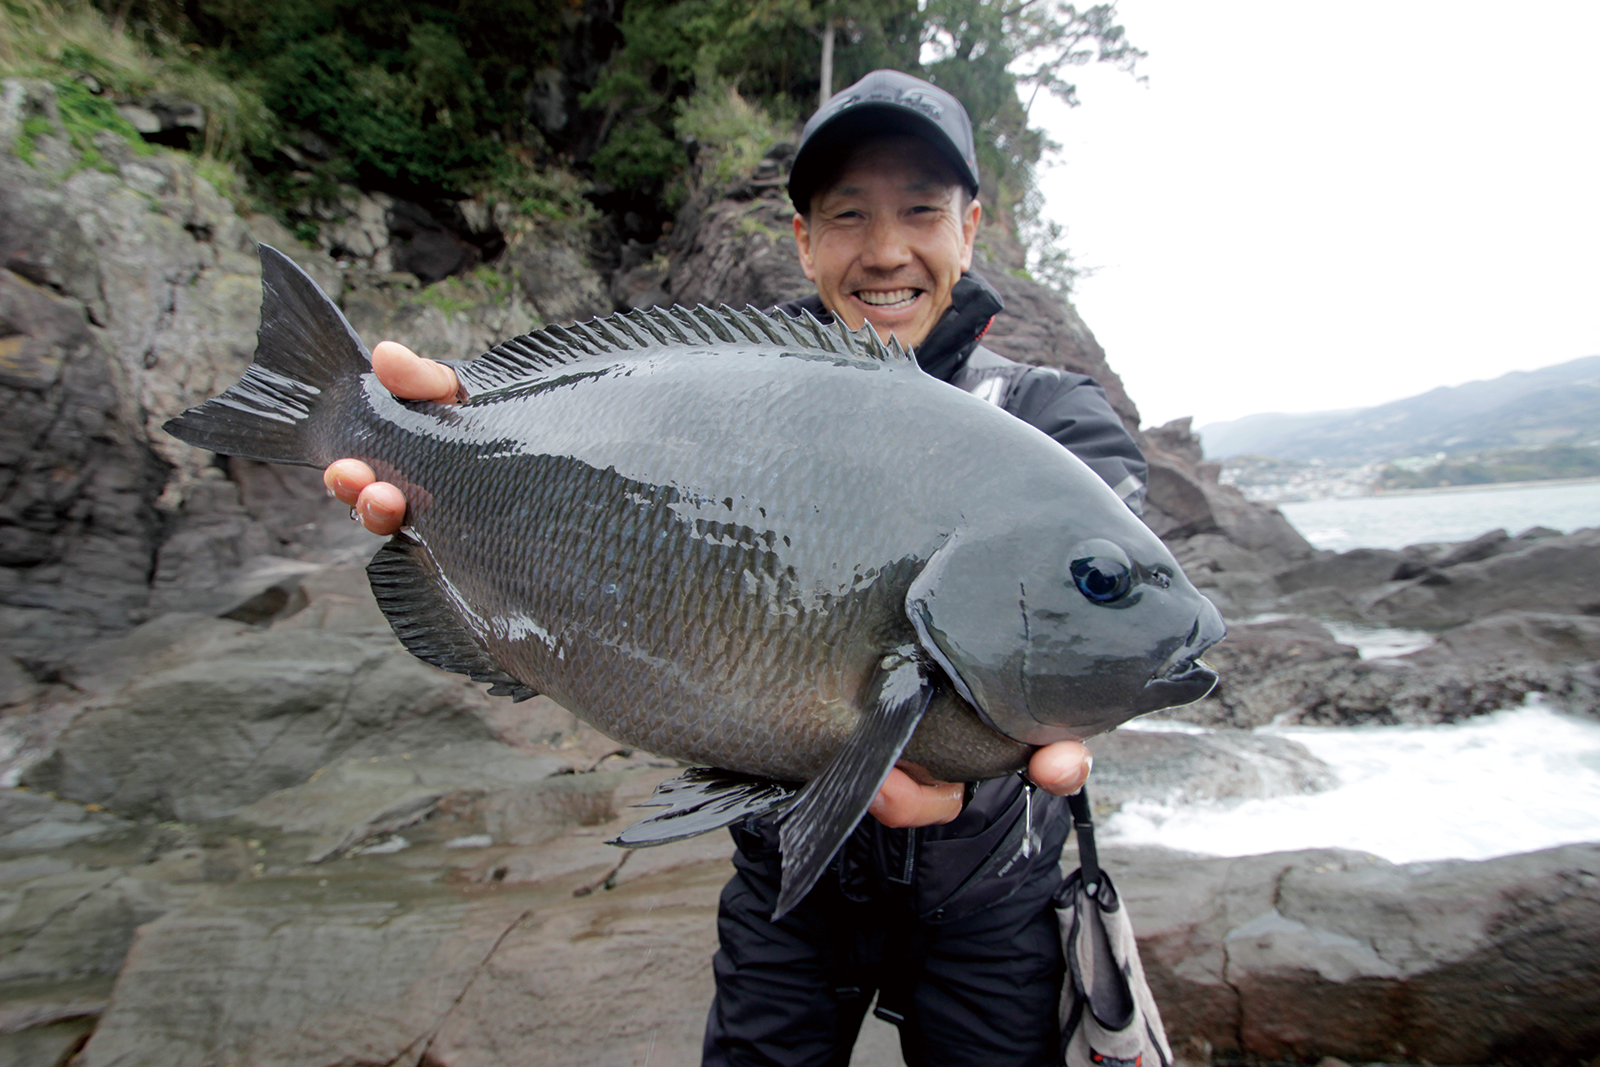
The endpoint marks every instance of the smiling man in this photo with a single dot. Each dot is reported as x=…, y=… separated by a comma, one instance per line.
x=939, y=906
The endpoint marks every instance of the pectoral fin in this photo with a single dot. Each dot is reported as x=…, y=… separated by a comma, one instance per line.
x=831, y=805
x=702, y=799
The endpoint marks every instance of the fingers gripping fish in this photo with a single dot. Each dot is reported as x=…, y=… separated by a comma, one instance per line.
x=751, y=543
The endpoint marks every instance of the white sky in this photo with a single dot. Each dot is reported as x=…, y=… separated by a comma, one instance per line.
x=1315, y=206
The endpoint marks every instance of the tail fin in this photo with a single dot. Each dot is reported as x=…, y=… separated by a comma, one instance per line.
x=304, y=346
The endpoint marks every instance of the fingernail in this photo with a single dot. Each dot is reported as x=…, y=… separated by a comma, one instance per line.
x=1083, y=779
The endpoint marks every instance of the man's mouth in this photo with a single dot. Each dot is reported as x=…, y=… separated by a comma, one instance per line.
x=888, y=298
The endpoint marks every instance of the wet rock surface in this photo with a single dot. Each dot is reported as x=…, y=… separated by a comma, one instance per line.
x=1295, y=956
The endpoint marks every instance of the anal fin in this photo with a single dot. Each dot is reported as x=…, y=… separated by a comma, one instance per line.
x=702, y=799
x=407, y=591
x=831, y=804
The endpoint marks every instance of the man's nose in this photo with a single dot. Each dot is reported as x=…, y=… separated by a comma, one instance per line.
x=886, y=245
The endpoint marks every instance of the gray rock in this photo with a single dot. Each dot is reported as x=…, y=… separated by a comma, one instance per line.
x=1180, y=768
x=221, y=721
x=1480, y=547
x=64, y=922
x=1186, y=502
x=1357, y=569
x=31, y=822
x=735, y=252
x=458, y=318
x=556, y=280
x=1554, y=574
x=1250, y=655
x=542, y=955
x=1517, y=637
x=357, y=799
x=1295, y=956
x=49, y=1045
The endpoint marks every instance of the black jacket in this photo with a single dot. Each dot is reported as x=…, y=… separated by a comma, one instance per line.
x=944, y=873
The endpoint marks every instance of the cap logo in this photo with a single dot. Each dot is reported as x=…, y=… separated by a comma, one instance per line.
x=919, y=100
x=915, y=99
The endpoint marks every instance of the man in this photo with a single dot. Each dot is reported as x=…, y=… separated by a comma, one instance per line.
x=940, y=906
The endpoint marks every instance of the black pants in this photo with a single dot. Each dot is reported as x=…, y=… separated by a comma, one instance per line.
x=981, y=990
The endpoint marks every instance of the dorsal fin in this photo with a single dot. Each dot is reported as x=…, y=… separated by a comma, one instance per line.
x=533, y=355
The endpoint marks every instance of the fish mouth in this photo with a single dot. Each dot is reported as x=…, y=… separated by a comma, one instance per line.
x=1185, y=677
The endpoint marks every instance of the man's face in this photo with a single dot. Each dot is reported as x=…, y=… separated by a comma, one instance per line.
x=888, y=239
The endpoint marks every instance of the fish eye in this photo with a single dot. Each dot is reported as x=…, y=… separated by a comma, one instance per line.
x=1101, y=571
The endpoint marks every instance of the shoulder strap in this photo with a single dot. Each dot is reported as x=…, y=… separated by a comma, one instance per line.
x=1083, y=828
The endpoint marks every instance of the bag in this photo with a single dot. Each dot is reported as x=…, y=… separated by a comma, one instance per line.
x=1108, y=1017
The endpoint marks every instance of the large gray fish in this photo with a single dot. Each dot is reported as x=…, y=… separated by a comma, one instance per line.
x=752, y=543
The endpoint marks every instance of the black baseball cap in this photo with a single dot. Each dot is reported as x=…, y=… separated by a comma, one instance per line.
x=885, y=102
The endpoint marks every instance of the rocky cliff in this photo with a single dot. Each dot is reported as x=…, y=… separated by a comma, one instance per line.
x=252, y=829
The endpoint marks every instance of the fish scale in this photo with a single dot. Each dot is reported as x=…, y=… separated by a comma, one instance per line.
x=758, y=544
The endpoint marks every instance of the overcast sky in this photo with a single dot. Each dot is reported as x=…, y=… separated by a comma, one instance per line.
x=1315, y=206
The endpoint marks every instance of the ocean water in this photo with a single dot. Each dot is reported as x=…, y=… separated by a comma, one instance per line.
x=1515, y=781
x=1518, y=780
x=1394, y=521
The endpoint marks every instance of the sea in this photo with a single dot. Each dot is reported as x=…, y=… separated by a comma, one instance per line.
x=1520, y=779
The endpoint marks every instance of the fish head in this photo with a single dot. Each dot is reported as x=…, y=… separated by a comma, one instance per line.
x=1053, y=633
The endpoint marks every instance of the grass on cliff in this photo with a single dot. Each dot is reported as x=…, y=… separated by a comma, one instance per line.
x=74, y=45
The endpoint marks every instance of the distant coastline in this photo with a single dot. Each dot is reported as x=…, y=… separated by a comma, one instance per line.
x=1486, y=487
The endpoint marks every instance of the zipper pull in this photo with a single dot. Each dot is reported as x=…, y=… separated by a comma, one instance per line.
x=1030, y=837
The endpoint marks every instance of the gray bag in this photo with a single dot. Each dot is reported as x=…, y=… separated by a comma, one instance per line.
x=1108, y=1017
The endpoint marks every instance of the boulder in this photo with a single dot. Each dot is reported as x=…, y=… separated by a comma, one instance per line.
x=1297, y=956
x=1180, y=768
x=1517, y=636
x=1186, y=502
x=125, y=297
x=1248, y=656
x=1481, y=547
x=556, y=279
x=1552, y=574
x=1359, y=568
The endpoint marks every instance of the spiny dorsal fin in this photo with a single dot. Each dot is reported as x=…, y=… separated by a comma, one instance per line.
x=534, y=355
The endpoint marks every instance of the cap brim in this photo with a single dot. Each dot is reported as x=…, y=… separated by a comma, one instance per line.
x=830, y=145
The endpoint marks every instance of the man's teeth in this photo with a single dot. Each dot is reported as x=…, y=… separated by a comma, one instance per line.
x=893, y=296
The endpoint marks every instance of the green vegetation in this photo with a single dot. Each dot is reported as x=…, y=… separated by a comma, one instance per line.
x=543, y=105
x=83, y=115
x=1503, y=465
x=742, y=76
x=91, y=58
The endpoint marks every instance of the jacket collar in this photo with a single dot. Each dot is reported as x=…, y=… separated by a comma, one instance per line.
x=973, y=305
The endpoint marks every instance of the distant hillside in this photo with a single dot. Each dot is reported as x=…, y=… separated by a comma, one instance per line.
x=1523, y=409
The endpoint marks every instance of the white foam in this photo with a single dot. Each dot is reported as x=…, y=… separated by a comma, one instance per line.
x=1515, y=781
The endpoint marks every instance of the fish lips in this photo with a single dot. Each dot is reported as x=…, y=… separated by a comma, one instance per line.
x=1171, y=690
x=1185, y=678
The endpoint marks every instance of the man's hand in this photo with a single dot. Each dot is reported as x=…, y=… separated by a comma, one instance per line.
x=1060, y=768
x=381, y=506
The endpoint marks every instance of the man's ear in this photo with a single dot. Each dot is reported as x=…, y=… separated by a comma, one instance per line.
x=969, y=233
x=802, y=241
